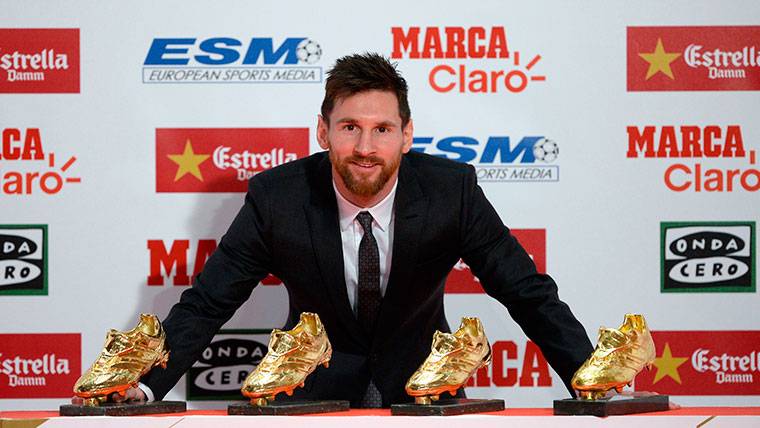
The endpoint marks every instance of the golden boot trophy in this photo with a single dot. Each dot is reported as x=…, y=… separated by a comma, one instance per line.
x=453, y=359
x=620, y=354
x=125, y=358
x=293, y=355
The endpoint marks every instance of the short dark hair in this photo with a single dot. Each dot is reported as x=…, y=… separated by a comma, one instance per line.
x=364, y=72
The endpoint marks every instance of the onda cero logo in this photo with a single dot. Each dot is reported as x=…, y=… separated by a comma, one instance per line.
x=23, y=259
x=233, y=60
x=225, y=363
x=498, y=158
x=708, y=256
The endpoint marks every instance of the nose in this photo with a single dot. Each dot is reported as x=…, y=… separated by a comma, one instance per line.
x=364, y=145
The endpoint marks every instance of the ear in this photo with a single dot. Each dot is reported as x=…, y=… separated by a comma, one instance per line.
x=408, y=135
x=322, y=133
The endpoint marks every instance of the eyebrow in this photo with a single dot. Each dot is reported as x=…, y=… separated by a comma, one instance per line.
x=385, y=123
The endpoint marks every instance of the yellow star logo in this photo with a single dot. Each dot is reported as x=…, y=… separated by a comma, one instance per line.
x=659, y=61
x=189, y=162
x=667, y=365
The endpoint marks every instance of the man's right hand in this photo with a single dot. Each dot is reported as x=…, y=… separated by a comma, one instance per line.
x=131, y=395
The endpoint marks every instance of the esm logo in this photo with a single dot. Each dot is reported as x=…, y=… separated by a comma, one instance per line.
x=498, y=158
x=232, y=60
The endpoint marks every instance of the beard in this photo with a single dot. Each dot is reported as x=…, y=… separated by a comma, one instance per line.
x=360, y=185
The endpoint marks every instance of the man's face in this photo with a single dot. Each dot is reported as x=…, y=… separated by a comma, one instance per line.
x=366, y=141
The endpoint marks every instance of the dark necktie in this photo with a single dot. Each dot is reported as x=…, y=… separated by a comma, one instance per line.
x=369, y=293
x=369, y=276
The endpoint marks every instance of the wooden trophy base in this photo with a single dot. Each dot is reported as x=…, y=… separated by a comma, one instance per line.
x=289, y=408
x=124, y=409
x=448, y=407
x=616, y=405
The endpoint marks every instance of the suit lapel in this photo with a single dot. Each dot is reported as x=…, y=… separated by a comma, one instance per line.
x=322, y=215
x=410, y=211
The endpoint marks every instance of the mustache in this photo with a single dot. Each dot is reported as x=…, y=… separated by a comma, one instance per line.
x=365, y=159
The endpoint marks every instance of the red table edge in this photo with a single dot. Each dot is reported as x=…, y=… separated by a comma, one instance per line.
x=686, y=411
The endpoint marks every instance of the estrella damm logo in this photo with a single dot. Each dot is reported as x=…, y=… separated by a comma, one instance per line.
x=703, y=363
x=39, y=60
x=222, y=159
x=718, y=58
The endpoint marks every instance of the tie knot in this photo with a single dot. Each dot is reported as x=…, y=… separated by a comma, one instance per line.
x=365, y=219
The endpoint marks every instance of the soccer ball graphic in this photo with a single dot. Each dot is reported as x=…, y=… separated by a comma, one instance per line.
x=545, y=150
x=308, y=51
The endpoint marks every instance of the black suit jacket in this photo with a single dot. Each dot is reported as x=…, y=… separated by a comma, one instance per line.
x=288, y=226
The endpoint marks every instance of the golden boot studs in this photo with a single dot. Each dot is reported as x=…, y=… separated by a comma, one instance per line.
x=619, y=356
x=453, y=359
x=292, y=356
x=126, y=357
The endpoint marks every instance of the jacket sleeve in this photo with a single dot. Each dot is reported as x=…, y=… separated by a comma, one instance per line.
x=509, y=275
x=241, y=260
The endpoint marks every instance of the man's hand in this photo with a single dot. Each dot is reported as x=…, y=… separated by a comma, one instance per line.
x=131, y=395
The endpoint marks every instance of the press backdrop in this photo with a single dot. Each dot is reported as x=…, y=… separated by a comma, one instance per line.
x=616, y=139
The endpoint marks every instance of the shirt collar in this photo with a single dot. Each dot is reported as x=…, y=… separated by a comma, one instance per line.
x=381, y=212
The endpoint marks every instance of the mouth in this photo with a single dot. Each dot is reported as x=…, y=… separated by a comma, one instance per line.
x=365, y=165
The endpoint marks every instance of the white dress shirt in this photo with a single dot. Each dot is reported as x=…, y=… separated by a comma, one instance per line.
x=351, y=233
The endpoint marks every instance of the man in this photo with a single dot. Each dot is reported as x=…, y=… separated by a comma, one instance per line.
x=299, y=222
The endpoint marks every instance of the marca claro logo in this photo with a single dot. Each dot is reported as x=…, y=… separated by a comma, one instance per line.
x=39, y=365
x=169, y=261
x=704, y=363
x=513, y=366
x=694, y=58
x=39, y=60
x=232, y=60
x=222, y=160
x=708, y=256
x=467, y=59
x=225, y=363
x=692, y=150
x=462, y=281
x=26, y=168
x=23, y=259
x=498, y=158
